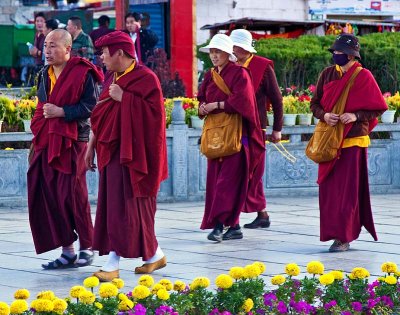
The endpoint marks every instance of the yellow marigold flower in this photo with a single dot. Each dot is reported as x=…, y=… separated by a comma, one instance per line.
x=4, y=309
x=199, y=282
x=18, y=307
x=381, y=279
x=389, y=267
x=22, y=294
x=351, y=276
x=125, y=305
x=119, y=283
x=141, y=292
x=360, y=273
x=146, y=280
x=337, y=274
x=60, y=306
x=76, y=290
x=260, y=266
x=167, y=284
x=179, y=285
x=315, y=267
x=327, y=279
x=292, y=269
x=107, y=290
x=46, y=295
x=248, y=305
x=122, y=297
x=236, y=272
x=91, y=282
x=391, y=280
x=98, y=305
x=87, y=297
x=278, y=280
x=224, y=281
x=156, y=287
x=163, y=294
x=41, y=305
x=251, y=271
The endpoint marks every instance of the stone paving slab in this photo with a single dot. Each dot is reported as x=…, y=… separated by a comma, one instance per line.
x=292, y=237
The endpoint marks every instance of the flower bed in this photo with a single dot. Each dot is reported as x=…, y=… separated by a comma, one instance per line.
x=241, y=291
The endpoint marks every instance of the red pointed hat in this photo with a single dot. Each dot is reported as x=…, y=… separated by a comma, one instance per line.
x=117, y=40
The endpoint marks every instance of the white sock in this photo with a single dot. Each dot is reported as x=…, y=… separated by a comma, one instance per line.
x=68, y=251
x=158, y=255
x=112, y=263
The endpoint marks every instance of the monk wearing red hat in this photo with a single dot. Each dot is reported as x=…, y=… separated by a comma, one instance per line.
x=129, y=137
x=59, y=210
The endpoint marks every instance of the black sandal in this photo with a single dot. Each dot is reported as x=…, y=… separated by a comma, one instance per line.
x=85, y=256
x=58, y=264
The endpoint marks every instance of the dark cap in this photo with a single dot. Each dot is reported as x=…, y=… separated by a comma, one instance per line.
x=348, y=44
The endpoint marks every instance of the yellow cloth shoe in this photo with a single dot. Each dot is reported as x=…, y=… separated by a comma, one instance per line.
x=149, y=268
x=106, y=276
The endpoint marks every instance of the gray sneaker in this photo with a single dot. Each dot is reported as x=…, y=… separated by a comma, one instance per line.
x=338, y=246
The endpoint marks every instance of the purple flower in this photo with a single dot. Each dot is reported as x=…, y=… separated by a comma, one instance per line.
x=301, y=307
x=165, y=310
x=357, y=306
x=387, y=300
x=371, y=303
x=329, y=305
x=269, y=298
x=281, y=307
x=346, y=313
x=215, y=311
x=139, y=309
x=226, y=313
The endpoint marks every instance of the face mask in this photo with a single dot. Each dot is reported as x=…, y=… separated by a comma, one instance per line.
x=340, y=59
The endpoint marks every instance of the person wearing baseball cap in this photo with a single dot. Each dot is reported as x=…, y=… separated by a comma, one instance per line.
x=129, y=137
x=227, y=89
x=267, y=94
x=344, y=198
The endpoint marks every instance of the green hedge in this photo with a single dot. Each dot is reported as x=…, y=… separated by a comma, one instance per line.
x=299, y=61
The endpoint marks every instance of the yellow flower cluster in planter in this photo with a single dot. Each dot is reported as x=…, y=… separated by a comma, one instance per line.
x=190, y=106
x=240, y=291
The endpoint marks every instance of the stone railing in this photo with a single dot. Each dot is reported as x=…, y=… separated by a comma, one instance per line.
x=188, y=168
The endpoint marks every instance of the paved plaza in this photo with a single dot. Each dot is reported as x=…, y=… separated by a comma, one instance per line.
x=292, y=237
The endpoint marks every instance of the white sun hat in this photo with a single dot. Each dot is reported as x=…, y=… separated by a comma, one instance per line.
x=221, y=42
x=242, y=38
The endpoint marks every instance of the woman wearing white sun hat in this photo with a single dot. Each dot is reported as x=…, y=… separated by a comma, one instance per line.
x=267, y=94
x=228, y=88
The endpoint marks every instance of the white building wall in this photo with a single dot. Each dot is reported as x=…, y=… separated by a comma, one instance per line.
x=216, y=11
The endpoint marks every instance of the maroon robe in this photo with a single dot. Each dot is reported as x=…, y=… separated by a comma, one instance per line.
x=228, y=178
x=259, y=67
x=343, y=183
x=57, y=192
x=132, y=160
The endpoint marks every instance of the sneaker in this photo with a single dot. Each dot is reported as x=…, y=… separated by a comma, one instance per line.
x=338, y=246
x=258, y=223
x=216, y=234
x=233, y=233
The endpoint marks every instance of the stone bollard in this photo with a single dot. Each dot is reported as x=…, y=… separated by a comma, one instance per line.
x=179, y=161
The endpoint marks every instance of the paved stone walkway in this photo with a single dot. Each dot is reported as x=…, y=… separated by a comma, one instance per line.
x=292, y=237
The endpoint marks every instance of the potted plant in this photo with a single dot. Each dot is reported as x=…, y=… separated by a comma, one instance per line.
x=289, y=110
x=25, y=109
x=270, y=117
x=393, y=103
x=8, y=114
x=303, y=109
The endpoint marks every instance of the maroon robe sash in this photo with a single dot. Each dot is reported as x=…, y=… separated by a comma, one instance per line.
x=258, y=66
x=136, y=127
x=56, y=134
x=363, y=95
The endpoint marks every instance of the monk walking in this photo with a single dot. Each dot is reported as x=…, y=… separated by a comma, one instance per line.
x=59, y=211
x=129, y=138
x=228, y=89
x=267, y=93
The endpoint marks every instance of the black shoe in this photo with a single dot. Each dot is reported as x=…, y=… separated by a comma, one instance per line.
x=233, y=233
x=258, y=223
x=215, y=235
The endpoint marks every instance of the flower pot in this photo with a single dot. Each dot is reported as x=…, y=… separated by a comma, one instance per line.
x=315, y=120
x=289, y=119
x=27, y=126
x=388, y=117
x=305, y=119
x=270, y=118
x=197, y=123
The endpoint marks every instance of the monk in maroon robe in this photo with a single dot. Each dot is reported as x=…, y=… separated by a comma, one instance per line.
x=267, y=94
x=129, y=138
x=344, y=198
x=229, y=178
x=59, y=210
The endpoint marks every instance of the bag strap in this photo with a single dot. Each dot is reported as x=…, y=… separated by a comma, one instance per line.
x=341, y=102
x=219, y=81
